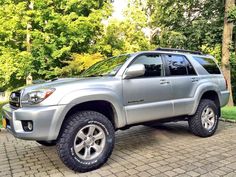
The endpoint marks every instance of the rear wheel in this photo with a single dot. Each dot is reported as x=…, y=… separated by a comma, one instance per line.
x=205, y=121
x=86, y=141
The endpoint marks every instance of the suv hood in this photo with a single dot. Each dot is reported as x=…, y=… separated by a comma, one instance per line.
x=69, y=84
x=51, y=83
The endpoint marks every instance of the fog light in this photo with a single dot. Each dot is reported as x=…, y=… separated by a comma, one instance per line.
x=27, y=125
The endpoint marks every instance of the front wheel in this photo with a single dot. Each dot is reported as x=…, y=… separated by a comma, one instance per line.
x=86, y=141
x=205, y=121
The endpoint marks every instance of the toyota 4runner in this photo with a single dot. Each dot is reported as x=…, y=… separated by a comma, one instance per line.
x=81, y=115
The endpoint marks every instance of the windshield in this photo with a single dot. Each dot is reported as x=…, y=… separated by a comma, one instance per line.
x=107, y=67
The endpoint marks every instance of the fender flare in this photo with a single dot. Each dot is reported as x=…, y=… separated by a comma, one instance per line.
x=200, y=91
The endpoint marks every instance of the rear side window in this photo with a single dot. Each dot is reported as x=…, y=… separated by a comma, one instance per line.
x=209, y=65
x=178, y=65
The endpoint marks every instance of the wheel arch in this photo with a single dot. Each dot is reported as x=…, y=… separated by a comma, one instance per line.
x=210, y=94
x=104, y=107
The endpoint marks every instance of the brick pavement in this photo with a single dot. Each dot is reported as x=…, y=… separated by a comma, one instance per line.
x=168, y=150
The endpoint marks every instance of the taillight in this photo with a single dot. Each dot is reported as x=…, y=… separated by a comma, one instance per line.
x=226, y=83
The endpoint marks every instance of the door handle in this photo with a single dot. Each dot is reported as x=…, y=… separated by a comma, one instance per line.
x=194, y=79
x=163, y=81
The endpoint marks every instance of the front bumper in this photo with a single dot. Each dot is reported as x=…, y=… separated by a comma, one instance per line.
x=45, y=121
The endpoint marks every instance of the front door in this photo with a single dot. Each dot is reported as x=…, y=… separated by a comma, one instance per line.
x=148, y=97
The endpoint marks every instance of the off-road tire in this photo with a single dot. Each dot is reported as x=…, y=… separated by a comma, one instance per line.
x=195, y=121
x=65, y=144
x=47, y=143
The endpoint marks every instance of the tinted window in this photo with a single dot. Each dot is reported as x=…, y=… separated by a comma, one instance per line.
x=208, y=64
x=190, y=68
x=179, y=65
x=153, y=64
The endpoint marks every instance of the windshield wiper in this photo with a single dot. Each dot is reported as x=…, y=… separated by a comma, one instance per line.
x=94, y=75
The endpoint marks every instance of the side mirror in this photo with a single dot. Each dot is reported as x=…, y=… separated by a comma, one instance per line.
x=134, y=71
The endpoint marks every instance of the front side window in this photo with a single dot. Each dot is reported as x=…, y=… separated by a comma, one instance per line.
x=178, y=65
x=107, y=67
x=153, y=64
x=208, y=64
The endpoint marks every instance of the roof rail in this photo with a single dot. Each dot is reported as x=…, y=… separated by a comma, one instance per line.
x=179, y=50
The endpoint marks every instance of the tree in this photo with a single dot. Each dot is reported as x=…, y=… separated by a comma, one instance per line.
x=199, y=21
x=57, y=30
x=126, y=35
x=170, y=39
x=232, y=18
x=15, y=61
x=226, y=44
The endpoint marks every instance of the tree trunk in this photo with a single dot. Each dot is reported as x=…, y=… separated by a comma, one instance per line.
x=234, y=38
x=29, y=78
x=226, y=43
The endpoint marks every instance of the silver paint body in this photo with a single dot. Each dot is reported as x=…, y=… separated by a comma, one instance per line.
x=133, y=100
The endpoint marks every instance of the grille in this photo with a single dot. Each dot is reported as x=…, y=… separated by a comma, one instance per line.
x=15, y=99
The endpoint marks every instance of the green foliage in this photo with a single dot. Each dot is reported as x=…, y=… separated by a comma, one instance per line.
x=214, y=51
x=14, y=65
x=171, y=39
x=113, y=40
x=62, y=37
x=127, y=35
x=232, y=15
x=56, y=29
x=229, y=113
x=200, y=22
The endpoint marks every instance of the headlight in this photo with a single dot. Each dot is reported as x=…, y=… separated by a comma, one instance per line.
x=37, y=96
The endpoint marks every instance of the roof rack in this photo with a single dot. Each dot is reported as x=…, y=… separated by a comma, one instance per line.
x=179, y=50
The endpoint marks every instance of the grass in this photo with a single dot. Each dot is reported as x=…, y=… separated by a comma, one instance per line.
x=229, y=113
x=1, y=104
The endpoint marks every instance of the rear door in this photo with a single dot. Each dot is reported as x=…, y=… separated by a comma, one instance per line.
x=184, y=81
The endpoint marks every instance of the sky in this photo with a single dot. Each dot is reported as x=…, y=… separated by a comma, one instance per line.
x=119, y=6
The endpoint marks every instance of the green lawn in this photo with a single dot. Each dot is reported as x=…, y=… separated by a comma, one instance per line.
x=229, y=113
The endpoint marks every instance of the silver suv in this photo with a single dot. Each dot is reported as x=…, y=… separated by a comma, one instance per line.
x=81, y=115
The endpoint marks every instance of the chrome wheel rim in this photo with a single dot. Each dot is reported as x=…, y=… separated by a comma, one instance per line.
x=208, y=118
x=89, y=142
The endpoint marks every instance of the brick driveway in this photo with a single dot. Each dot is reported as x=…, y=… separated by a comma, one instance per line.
x=168, y=150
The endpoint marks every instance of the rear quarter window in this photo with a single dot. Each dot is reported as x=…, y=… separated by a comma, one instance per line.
x=208, y=64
